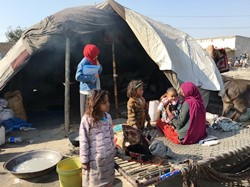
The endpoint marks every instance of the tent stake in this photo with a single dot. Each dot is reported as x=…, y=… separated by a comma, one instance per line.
x=67, y=87
x=115, y=78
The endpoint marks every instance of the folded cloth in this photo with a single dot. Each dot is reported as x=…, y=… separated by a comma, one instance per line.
x=211, y=142
x=3, y=103
x=211, y=118
x=6, y=114
x=225, y=124
x=207, y=139
x=119, y=138
x=15, y=123
x=157, y=148
x=117, y=128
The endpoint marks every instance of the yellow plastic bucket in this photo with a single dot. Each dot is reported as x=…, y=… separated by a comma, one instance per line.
x=70, y=172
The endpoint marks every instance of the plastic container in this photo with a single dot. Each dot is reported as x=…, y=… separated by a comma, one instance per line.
x=2, y=135
x=70, y=172
x=152, y=111
x=15, y=139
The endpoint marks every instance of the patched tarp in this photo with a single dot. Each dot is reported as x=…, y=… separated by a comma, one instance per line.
x=175, y=52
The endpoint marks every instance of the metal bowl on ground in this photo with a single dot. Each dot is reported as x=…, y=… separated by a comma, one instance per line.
x=33, y=163
x=74, y=138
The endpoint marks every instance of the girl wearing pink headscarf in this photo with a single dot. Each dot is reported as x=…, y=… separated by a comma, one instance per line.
x=190, y=126
x=88, y=81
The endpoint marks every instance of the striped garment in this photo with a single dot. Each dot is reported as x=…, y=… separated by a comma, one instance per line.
x=137, y=112
x=97, y=148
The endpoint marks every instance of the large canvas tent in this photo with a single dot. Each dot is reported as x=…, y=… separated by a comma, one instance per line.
x=142, y=46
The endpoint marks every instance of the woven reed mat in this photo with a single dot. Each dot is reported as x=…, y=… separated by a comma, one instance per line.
x=227, y=161
x=232, y=142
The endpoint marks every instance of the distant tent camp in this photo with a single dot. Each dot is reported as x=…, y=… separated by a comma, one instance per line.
x=142, y=47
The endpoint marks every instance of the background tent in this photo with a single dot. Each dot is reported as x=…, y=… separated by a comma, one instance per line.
x=144, y=49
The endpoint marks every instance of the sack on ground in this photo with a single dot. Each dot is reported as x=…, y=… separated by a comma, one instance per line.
x=15, y=102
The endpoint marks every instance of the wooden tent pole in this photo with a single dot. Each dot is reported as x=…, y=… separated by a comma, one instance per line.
x=67, y=87
x=115, y=78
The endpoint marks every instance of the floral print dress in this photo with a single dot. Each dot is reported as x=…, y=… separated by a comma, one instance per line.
x=97, y=148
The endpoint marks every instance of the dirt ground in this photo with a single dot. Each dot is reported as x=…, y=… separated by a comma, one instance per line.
x=50, y=134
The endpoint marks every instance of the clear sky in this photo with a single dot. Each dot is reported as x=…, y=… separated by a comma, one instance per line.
x=199, y=18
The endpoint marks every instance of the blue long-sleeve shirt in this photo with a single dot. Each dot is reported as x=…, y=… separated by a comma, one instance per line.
x=87, y=82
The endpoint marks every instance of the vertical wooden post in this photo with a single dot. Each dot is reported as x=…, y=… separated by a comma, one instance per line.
x=115, y=77
x=67, y=87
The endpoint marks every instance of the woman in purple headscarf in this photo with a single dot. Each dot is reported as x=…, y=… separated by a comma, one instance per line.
x=190, y=126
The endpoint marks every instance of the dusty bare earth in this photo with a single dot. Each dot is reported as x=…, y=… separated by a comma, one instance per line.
x=238, y=73
x=50, y=134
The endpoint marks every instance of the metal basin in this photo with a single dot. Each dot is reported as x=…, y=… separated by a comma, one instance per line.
x=33, y=163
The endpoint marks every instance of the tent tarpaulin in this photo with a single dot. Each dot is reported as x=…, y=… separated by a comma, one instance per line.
x=174, y=52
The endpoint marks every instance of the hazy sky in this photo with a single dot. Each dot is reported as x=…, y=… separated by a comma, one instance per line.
x=200, y=19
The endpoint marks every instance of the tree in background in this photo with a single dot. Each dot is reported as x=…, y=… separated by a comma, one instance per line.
x=13, y=34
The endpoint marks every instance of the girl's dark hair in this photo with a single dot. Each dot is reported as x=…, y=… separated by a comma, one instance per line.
x=132, y=88
x=94, y=100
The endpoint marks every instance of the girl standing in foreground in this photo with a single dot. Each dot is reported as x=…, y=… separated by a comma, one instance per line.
x=136, y=105
x=97, y=148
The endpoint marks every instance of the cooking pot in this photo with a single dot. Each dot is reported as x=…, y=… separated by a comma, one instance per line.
x=74, y=138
